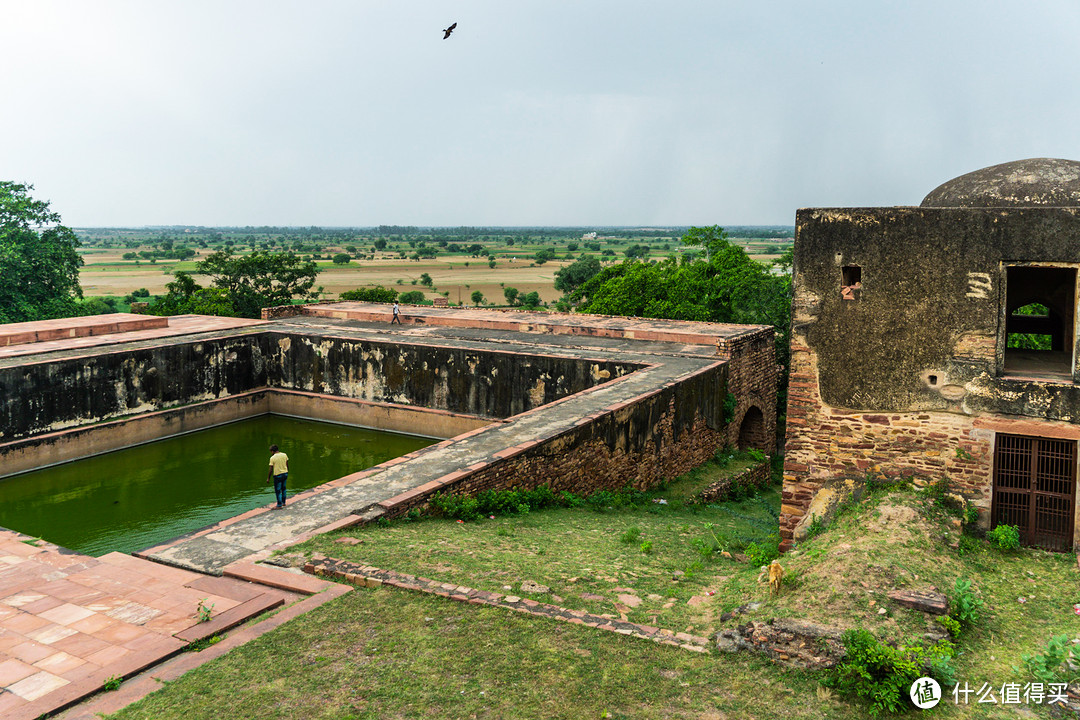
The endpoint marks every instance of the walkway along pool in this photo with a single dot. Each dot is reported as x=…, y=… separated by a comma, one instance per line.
x=131, y=499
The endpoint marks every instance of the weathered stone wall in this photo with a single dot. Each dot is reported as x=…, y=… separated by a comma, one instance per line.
x=486, y=384
x=655, y=437
x=906, y=378
x=45, y=397
x=752, y=379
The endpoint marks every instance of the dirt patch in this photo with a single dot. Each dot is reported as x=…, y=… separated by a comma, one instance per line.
x=894, y=521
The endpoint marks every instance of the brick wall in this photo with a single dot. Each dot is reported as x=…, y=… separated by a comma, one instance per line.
x=659, y=436
x=825, y=442
x=752, y=378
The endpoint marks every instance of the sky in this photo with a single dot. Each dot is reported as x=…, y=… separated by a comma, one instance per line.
x=583, y=113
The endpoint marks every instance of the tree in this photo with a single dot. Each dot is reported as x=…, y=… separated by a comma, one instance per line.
x=261, y=279
x=637, y=251
x=543, y=255
x=570, y=278
x=729, y=287
x=341, y=259
x=710, y=238
x=425, y=279
x=511, y=294
x=380, y=244
x=531, y=300
x=413, y=297
x=184, y=296
x=39, y=268
x=375, y=294
x=477, y=297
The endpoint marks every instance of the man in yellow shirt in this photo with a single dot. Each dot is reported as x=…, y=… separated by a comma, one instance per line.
x=279, y=473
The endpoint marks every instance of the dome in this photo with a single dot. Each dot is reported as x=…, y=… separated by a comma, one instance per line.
x=1045, y=182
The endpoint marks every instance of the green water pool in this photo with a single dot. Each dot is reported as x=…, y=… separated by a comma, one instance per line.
x=135, y=498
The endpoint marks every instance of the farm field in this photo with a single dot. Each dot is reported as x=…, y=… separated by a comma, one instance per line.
x=118, y=262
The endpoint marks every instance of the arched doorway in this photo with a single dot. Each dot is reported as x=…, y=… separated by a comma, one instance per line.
x=752, y=430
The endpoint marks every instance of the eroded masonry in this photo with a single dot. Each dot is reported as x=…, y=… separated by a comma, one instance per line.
x=940, y=341
x=521, y=399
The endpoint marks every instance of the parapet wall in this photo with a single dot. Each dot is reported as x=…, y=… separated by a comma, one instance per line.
x=48, y=396
x=641, y=442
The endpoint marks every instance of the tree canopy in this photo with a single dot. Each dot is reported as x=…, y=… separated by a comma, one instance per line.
x=39, y=268
x=576, y=274
x=242, y=285
x=727, y=287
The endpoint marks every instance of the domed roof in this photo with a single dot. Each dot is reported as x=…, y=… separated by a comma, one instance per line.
x=1046, y=182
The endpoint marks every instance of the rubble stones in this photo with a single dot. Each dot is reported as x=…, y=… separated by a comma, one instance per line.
x=529, y=586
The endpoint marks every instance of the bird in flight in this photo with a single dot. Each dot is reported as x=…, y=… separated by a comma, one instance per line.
x=447, y=31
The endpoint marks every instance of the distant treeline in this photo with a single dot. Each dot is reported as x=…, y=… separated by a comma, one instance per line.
x=735, y=231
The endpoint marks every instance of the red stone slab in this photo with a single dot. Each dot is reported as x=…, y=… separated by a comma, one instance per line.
x=177, y=325
x=77, y=327
x=231, y=618
x=275, y=577
x=677, y=331
x=68, y=622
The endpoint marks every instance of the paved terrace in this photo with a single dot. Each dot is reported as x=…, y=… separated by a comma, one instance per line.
x=68, y=622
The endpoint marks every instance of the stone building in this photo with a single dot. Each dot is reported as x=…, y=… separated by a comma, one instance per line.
x=940, y=341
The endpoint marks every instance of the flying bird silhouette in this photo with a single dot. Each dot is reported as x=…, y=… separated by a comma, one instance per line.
x=447, y=31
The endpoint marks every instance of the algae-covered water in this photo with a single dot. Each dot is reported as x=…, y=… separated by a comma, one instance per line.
x=132, y=499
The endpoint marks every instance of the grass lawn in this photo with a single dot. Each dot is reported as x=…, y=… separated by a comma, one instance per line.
x=388, y=653
x=652, y=564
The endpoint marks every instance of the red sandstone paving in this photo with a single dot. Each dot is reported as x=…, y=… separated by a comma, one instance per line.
x=68, y=621
x=177, y=325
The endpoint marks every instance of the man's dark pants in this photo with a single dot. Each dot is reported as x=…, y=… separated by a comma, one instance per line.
x=279, y=488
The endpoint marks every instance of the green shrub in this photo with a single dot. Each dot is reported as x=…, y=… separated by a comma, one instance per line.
x=1052, y=666
x=569, y=499
x=966, y=605
x=764, y=552
x=375, y=294
x=646, y=547
x=630, y=536
x=723, y=457
x=968, y=545
x=951, y=625
x=1004, y=537
x=883, y=674
x=459, y=507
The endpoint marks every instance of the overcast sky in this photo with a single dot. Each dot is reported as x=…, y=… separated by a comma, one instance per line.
x=591, y=112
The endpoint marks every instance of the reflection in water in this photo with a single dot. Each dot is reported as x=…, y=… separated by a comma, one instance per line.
x=132, y=499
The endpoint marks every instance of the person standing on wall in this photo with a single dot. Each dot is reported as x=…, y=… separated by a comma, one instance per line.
x=279, y=473
x=397, y=314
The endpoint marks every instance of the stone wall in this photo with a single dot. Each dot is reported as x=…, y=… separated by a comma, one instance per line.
x=43, y=397
x=904, y=375
x=655, y=437
x=752, y=379
x=46, y=397
x=482, y=383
